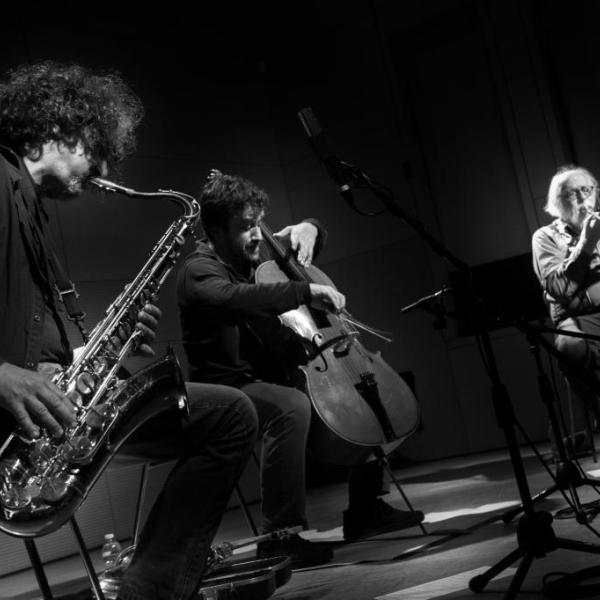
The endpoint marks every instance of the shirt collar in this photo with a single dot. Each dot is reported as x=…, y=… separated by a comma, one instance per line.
x=21, y=178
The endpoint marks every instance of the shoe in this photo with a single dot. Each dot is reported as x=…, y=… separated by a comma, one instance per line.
x=303, y=553
x=376, y=519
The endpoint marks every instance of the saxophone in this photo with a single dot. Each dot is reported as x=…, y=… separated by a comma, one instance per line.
x=44, y=480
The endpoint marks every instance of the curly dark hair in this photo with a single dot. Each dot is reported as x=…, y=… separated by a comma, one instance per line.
x=49, y=101
x=223, y=196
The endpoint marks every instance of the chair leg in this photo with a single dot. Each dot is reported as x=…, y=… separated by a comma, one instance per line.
x=246, y=510
x=590, y=429
x=38, y=569
x=242, y=499
x=571, y=437
x=386, y=465
x=138, y=507
x=85, y=556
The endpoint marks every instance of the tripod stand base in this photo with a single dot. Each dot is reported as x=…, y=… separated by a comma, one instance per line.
x=589, y=509
x=568, y=477
x=536, y=539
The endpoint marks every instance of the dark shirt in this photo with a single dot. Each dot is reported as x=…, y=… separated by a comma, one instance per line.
x=570, y=277
x=26, y=288
x=52, y=347
x=225, y=316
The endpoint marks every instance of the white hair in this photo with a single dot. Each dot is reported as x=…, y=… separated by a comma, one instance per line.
x=554, y=202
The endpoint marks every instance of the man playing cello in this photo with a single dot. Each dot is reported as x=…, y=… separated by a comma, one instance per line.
x=222, y=310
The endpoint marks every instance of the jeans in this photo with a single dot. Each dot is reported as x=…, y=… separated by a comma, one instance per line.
x=212, y=448
x=284, y=415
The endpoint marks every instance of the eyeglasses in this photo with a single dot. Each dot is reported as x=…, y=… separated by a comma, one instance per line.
x=585, y=190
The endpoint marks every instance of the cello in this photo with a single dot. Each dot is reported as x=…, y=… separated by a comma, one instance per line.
x=362, y=406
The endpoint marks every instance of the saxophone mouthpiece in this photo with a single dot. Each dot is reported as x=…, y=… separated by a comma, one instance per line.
x=110, y=186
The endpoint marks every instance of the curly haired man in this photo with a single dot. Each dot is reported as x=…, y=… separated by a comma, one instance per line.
x=60, y=125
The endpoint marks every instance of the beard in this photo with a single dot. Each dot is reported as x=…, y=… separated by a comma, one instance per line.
x=58, y=188
x=252, y=253
x=246, y=258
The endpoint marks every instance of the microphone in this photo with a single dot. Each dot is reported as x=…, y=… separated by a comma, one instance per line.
x=425, y=300
x=322, y=147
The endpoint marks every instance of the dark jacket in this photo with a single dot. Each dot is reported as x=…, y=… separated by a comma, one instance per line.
x=26, y=288
x=226, y=318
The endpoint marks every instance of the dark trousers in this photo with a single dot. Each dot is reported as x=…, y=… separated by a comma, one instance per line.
x=212, y=448
x=583, y=355
x=284, y=417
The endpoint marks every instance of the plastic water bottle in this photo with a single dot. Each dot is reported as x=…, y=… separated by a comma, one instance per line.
x=110, y=550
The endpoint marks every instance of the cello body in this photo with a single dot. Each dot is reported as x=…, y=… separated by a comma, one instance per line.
x=360, y=402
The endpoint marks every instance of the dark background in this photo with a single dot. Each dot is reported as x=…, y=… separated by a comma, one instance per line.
x=464, y=109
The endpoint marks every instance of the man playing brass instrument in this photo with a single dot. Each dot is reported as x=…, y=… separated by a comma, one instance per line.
x=566, y=261
x=60, y=125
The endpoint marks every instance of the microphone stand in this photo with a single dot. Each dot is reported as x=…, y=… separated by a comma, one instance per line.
x=535, y=535
x=568, y=475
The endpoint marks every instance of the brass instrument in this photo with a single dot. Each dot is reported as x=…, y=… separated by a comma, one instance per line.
x=44, y=480
x=591, y=212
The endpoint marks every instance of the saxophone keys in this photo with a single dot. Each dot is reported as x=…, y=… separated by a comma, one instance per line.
x=85, y=383
x=74, y=398
x=115, y=344
x=41, y=453
x=79, y=450
x=124, y=331
x=15, y=498
x=55, y=488
x=100, y=365
x=96, y=416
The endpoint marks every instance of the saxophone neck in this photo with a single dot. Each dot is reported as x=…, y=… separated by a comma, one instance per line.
x=110, y=186
x=188, y=203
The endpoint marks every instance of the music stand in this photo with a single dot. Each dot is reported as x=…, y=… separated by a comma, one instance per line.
x=535, y=535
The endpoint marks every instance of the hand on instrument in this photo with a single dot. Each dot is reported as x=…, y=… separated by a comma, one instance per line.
x=590, y=230
x=303, y=238
x=325, y=297
x=147, y=323
x=34, y=401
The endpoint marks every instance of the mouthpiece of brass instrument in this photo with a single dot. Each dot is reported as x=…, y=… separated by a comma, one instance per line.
x=110, y=186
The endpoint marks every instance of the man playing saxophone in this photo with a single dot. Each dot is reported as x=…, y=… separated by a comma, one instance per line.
x=61, y=125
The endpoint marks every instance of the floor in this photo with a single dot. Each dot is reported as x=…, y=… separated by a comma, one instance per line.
x=463, y=499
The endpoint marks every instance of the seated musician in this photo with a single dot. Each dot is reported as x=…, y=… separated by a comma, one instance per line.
x=60, y=125
x=230, y=334
x=566, y=261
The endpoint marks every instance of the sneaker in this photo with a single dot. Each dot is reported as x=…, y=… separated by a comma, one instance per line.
x=303, y=553
x=377, y=519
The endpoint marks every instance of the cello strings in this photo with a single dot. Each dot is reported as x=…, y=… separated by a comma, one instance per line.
x=348, y=367
x=384, y=335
